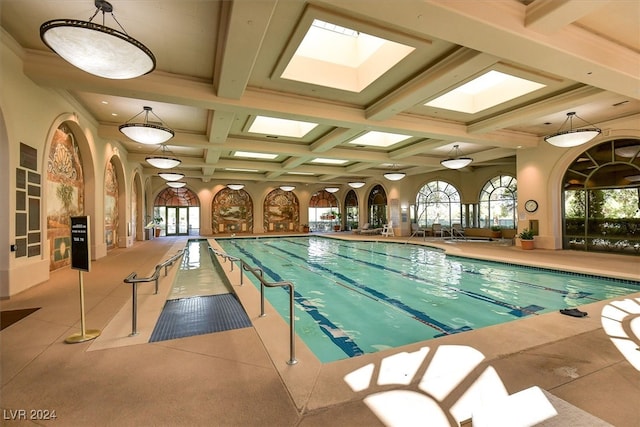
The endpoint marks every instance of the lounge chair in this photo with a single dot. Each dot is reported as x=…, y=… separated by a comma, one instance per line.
x=416, y=230
x=436, y=229
x=364, y=228
x=387, y=230
x=456, y=231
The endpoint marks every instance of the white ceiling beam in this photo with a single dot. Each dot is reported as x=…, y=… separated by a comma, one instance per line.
x=549, y=16
x=243, y=25
x=49, y=70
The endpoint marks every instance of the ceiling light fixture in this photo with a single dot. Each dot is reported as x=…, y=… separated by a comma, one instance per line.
x=395, y=175
x=572, y=137
x=145, y=132
x=171, y=176
x=235, y=186
x=176, y=184
x=633, y=178
x=163, y=162
x=356, y=184
x=456, y=160
x=331, y=189
x=97, y=49
x=628, y=151
x=287, y=187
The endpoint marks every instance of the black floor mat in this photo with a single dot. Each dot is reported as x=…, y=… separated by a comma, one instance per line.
x=186, y=317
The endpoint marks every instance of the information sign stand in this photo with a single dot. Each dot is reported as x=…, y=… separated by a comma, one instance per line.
x=81, y=261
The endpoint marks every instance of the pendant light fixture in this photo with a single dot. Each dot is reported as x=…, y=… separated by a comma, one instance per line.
x=287, y=187
x=572, y=137
x=146, y=132
x=331, y=189
x=395, y=175
x=163, y=161
x=235, y=186
x=97, y=49
x=176, y=184
x=171, y=176
x=456, y=160
x=356, y=184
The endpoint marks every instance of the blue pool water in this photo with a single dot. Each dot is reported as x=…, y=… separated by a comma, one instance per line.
x=357, y=297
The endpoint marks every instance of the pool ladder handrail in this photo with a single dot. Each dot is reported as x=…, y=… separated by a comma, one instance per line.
x=133, y=279
x=259, y=274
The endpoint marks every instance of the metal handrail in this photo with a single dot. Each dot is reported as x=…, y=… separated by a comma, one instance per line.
x=259, y=274
x=133, y=279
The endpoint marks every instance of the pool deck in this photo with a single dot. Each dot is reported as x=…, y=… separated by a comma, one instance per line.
x=242, y=378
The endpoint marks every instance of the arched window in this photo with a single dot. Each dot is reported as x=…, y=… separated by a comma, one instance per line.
x=498, y=200
x=602, y=199
x=377, y=207
x=324, y=212
x=438, y=202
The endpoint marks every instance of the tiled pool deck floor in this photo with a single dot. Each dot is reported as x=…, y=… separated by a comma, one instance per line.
x=242, y=378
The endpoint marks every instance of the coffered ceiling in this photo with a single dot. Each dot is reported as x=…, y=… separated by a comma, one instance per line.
x=220, y=66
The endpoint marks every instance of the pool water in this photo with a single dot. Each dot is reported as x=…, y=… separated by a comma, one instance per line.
x=357, y=297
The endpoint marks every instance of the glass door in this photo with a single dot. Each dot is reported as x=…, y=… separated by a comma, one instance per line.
x=183, y=220
x=171, y=221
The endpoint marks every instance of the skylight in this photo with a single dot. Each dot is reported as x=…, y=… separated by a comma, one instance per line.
x=252, y=155
x=379, y=139
x=240, y=170
x=281, y=127
x=485, y=91
x=342, y=58
x=329, y=161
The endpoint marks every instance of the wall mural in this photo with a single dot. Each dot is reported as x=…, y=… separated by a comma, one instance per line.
x=232, y=212
x=111, y=206
x=134, y=211
x=281, y=211
x=65, y=194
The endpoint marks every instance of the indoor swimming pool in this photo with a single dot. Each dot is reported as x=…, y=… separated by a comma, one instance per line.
x=357, y=297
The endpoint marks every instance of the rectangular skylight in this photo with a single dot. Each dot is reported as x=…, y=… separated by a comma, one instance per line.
x=485, y=91
x=329, y=161
x=300, y=173
x=241, y=170
x=281, y=127
x=252, y=155
x=379, y=139
x=342, y=58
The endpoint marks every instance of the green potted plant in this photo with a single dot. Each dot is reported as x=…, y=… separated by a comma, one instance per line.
x=337, y=215
x=496, y=232
x=526, y=239
x=158, y=220
x=305, y=228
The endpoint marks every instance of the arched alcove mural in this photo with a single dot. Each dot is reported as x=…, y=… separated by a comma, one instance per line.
x=601, y=198
x=324, y=212
x=111, y=205
x=377, y=207
x=65, y=193
x=281, y=211
x=232, y=212
x=179, y=211
x=137, y=223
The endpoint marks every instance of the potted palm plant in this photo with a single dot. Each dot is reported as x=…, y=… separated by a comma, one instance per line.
x=158, y=220
x=496, y=232
x=526, y=239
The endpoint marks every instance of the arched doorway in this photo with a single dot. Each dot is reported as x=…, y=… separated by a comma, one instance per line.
x=324, y=212
x=179, y=211
x=351, y=208
x=377, y=207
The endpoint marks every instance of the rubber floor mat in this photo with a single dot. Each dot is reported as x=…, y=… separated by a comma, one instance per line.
x=199, y=315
